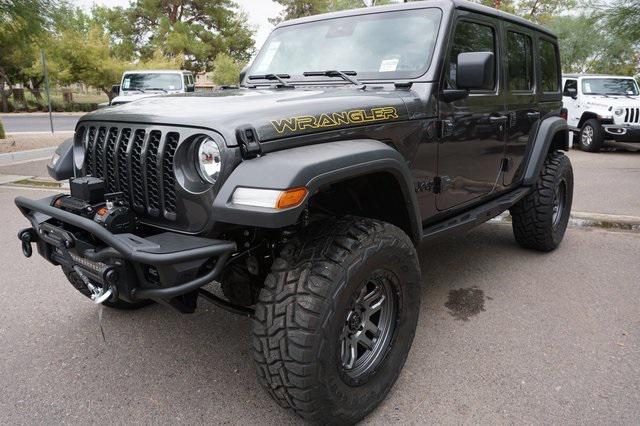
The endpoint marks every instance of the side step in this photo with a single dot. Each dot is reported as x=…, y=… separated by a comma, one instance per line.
x=475, y=216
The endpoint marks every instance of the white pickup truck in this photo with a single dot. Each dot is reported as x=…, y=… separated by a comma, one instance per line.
x=602, y=108
x=142, y=84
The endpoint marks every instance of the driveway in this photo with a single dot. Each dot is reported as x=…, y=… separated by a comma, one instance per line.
x=505, y=335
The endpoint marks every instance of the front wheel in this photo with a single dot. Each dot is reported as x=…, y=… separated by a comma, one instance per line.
x=336, y=318
x=591, y=136
x=540, y=219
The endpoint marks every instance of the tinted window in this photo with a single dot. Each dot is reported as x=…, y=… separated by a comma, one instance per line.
x=469, y=37
x=569, y=84
x=519, y=61
x=548, y=66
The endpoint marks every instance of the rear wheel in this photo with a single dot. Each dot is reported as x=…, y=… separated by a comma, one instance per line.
x=540, y=219
x=336, y=318
x=591, y=136
x=79, y=285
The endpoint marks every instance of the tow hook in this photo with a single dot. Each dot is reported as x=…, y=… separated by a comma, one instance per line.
x=27, y=236
x=98, y=294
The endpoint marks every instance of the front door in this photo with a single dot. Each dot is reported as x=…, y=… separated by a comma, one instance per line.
x=473, y=132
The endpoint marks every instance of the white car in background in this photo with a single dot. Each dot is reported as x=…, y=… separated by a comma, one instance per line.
x=143, y=84
x=602, y=108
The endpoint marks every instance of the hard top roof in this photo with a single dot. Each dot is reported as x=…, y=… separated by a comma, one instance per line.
x=595, y=76
x=442, y=4
x=159, y=71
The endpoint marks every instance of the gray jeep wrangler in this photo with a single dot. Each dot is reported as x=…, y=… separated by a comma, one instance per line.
x=351, y=139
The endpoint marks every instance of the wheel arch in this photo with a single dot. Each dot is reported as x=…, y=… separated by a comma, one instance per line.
x=552, y=135
x=335, y=166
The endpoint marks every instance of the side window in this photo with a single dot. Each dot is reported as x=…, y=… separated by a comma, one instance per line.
x=519, y=61
x=548, y=66
x=570, y=84
x=186, y=80
x=469, y=37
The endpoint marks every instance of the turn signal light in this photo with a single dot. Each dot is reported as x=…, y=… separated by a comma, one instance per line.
x=291, y=198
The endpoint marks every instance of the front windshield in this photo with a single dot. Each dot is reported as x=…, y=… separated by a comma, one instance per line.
x=609, y=86
x=151, y=81
x=377, y=46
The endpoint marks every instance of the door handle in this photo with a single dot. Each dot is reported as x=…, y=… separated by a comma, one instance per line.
x=534, y=115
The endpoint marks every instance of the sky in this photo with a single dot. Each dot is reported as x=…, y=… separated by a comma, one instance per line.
x=259, y=11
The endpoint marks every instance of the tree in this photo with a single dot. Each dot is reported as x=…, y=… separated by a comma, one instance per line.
x=226, y=70
x=193, y=32
x=299, y=8
x=23, y=23
x=587, y=45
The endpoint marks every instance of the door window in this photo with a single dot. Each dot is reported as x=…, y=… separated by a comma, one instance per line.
x=569, y=84
x=469, y=37
x=519, y=62
x=548, y=66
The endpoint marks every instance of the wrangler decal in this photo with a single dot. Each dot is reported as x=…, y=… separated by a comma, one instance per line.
x=335, y=119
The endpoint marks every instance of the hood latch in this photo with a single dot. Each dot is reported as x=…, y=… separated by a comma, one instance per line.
x=249, y=143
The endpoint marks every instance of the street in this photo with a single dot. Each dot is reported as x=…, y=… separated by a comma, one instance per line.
x=505, y=335
x=39, y=122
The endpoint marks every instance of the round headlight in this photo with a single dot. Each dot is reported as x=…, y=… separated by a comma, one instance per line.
x=209, y=161
x=619, y=111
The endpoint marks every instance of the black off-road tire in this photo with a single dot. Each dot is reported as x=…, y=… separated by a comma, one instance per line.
x=593, y=129
x=535, y=225
x=79, y=285
x=302, y=310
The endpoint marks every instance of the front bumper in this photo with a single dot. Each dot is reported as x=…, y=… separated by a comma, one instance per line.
x=622, y=132
x=160, y=266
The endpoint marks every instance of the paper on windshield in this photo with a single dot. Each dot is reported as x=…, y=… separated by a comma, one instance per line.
x=127, y=83
x=389, y=65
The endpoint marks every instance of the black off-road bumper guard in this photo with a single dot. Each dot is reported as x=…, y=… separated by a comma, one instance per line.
x=121, y=262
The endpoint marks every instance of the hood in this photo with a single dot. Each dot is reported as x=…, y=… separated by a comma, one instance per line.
x=612, y=101
x=134, y=96
x=273, y=113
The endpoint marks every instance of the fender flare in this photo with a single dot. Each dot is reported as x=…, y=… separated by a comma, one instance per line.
x=312, y=166
x=544, y=138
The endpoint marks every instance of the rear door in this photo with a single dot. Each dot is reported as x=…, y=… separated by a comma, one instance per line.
x=520, y=95
x=473, y=134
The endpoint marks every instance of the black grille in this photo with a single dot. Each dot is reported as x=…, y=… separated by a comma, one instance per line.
x=137, y=162
x=168, y=178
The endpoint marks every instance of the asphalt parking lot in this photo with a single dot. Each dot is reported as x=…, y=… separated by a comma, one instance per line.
x=505, y=336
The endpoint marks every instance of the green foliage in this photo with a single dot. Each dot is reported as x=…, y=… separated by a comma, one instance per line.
x=226, y=70
x=588, y=45
x=2, y=135
x=299, y=8
x=193, y=33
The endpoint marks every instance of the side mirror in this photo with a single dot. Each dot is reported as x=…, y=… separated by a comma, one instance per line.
x=115, y=89
x=191, y=88
x=475, y=71
x=571, y=92
x=243, y=74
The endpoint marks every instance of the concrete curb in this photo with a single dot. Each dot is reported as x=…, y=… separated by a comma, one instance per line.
x=30, y=155
x=594, y=220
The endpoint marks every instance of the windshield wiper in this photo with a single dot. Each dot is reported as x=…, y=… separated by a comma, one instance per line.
x=345, y=75
x=278, y=77
x=157, y=88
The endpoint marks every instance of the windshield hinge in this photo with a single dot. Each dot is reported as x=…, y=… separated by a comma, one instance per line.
x=249, y=143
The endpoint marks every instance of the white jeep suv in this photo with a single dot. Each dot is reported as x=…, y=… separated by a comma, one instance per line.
x=143, y=84
x=602, y=108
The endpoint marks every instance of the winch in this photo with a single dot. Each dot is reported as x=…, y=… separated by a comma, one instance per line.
x=88, y=199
